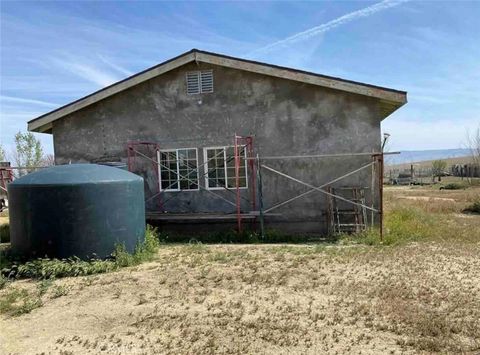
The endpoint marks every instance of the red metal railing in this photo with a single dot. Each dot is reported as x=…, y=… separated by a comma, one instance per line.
x=247, y=143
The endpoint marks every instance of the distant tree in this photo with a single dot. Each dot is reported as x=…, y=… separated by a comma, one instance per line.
x=28, y=153
x=473, y=143
x=48, y=160
x=438, y=167
x=3, y=155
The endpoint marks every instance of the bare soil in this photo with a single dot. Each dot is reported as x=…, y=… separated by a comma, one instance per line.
x=282, y=299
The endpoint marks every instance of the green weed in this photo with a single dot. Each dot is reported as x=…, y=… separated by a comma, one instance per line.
x=43, y=286
x=45, y=268
x=59, y=291
x=143, y=251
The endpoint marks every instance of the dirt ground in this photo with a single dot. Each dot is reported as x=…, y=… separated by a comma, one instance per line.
x=273, y=299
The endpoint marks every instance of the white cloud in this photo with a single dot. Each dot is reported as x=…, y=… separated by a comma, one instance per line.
x=8, y=99
x=117, y=67
x=87, y=72
x=330, y=25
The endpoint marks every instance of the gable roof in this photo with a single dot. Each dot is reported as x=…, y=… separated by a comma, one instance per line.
x=390, y=99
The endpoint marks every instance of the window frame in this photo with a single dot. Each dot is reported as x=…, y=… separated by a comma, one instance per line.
x=178, y=189
x=205, y=168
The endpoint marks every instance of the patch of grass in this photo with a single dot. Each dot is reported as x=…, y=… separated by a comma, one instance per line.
x=401, y=225
x=300, y=250
x=3, y=282
x=5, y=233
x=59, y=291
x=16, y=302
x=45, y=268
x=43, y=286
x=405, y=224
x=219, y=257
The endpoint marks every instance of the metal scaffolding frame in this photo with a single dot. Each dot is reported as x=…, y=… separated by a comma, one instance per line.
x=376, y=164
x=247, y=144
x=244, y=150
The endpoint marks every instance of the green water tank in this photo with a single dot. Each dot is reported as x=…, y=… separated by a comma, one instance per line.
x=81, y=210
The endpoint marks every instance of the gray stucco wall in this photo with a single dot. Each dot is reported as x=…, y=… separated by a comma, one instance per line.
x=285, y=118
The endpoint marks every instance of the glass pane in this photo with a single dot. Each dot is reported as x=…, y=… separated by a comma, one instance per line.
x=168, y=169
x=216, y=167
x=188, y=174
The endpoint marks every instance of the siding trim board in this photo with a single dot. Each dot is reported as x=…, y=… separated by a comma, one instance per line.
x=391, y=99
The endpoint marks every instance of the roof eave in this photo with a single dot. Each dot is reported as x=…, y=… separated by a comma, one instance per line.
x=306, y=77
x=394, y=98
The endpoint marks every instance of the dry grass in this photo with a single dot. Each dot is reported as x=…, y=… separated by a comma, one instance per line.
x=420, y=295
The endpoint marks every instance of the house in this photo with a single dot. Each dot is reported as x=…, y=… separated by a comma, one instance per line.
x=307, y=130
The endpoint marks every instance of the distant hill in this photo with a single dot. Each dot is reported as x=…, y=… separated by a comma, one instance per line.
x=427, y=164
x=412, y=156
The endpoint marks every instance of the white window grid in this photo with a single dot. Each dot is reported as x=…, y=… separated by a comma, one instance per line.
x=199, y=82
x=182, y=174
x=228, y=167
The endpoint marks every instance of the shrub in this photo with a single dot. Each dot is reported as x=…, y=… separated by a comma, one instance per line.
x=5, y=233
x=452, y=186
x=474, y=207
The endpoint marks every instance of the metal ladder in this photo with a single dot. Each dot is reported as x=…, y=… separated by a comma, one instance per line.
x=345, y=217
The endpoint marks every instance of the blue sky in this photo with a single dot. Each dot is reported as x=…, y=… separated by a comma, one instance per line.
x=55, y=52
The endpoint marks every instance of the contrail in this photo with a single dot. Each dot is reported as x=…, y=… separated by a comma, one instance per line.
x=370, y=10
x=26, y=101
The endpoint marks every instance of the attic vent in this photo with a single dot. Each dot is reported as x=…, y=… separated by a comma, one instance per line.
x=206, y=79
x=200, y=82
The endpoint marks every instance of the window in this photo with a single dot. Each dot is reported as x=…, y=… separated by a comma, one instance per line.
x=200, y=82
x=178, y=169
x=220, y=167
